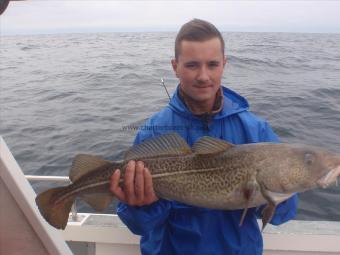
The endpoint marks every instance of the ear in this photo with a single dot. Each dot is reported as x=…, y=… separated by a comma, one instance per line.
x=224, y=60
x=174, y=65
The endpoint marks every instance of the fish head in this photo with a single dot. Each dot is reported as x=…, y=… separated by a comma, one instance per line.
x=320, y=168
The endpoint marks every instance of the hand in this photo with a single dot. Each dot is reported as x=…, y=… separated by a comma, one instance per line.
x=137, y=188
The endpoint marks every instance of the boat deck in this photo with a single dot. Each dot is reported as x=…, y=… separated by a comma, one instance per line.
x=106, y=234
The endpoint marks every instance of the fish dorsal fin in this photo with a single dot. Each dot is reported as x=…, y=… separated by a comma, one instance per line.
x=210, y=145
x=165, y=145
x=83, y=163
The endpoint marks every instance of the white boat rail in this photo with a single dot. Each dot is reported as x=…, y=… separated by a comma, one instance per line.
x=48, y=178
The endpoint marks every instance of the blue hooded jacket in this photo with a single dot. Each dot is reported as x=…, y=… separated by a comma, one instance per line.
x=171, y=228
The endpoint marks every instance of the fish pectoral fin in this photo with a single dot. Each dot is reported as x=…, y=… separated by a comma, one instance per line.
x=83, y=163
x=210, y=145
x=98, y=201
x=249, y=193
x=165, y=145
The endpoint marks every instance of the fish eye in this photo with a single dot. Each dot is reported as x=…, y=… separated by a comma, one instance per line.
x=309, y=158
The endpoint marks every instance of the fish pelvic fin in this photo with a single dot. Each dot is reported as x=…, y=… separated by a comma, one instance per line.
x=56, y=214
x=267, y=214
x=273, y=199
x=245, y=210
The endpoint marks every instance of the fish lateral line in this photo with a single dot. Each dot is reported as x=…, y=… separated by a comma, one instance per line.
x=75, y=191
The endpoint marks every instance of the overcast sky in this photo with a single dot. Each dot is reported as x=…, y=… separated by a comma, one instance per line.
x=31, y=17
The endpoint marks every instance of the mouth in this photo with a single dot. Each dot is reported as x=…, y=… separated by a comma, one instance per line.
x=329, y=178
x=203, y=86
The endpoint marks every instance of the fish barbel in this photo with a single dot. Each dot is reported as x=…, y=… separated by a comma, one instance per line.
x=212, y=174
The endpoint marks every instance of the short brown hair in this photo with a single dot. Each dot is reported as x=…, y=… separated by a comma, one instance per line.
x=197, y=30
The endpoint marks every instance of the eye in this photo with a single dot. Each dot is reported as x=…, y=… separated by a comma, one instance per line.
x=309, y=158
x=213, y=64
x=191, y=65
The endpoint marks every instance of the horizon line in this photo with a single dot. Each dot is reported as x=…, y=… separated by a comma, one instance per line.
x=153, y=30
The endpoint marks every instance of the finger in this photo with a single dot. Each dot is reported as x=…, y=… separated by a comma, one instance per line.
x=114, y=186
x=139, y=182
x=129, y=182
x=150, y=195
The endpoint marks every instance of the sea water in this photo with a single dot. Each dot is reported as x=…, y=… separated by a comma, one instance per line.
x=65, y=94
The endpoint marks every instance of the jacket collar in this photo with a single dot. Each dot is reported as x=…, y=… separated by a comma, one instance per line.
x=217, y=106
x=230, y=104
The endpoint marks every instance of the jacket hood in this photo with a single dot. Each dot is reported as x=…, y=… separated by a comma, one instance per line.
x=232, y=103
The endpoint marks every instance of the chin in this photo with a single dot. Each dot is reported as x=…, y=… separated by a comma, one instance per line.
x=203, y=98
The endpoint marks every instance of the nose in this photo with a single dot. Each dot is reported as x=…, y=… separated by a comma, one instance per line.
x=203, y=75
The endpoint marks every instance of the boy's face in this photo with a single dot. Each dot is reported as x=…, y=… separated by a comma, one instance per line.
x=199, y=67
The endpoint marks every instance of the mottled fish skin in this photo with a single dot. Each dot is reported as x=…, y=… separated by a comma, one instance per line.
x=217, y=181
x=231, y=177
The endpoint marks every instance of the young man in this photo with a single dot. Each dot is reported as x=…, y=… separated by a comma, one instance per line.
x=199, y=107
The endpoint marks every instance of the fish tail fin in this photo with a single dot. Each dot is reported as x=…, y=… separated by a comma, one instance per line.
x=54, y=213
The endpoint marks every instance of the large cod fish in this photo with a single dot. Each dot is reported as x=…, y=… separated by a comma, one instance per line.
x=212, y=174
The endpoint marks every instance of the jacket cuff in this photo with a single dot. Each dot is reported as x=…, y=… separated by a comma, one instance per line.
x=142, y=219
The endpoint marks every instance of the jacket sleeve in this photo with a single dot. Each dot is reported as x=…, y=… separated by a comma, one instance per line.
x=286, y=210
x=143, y=219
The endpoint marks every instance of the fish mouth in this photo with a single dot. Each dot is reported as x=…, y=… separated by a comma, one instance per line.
x=329, y=178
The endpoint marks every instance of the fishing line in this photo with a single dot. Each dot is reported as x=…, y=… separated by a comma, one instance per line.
x=162, y=81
